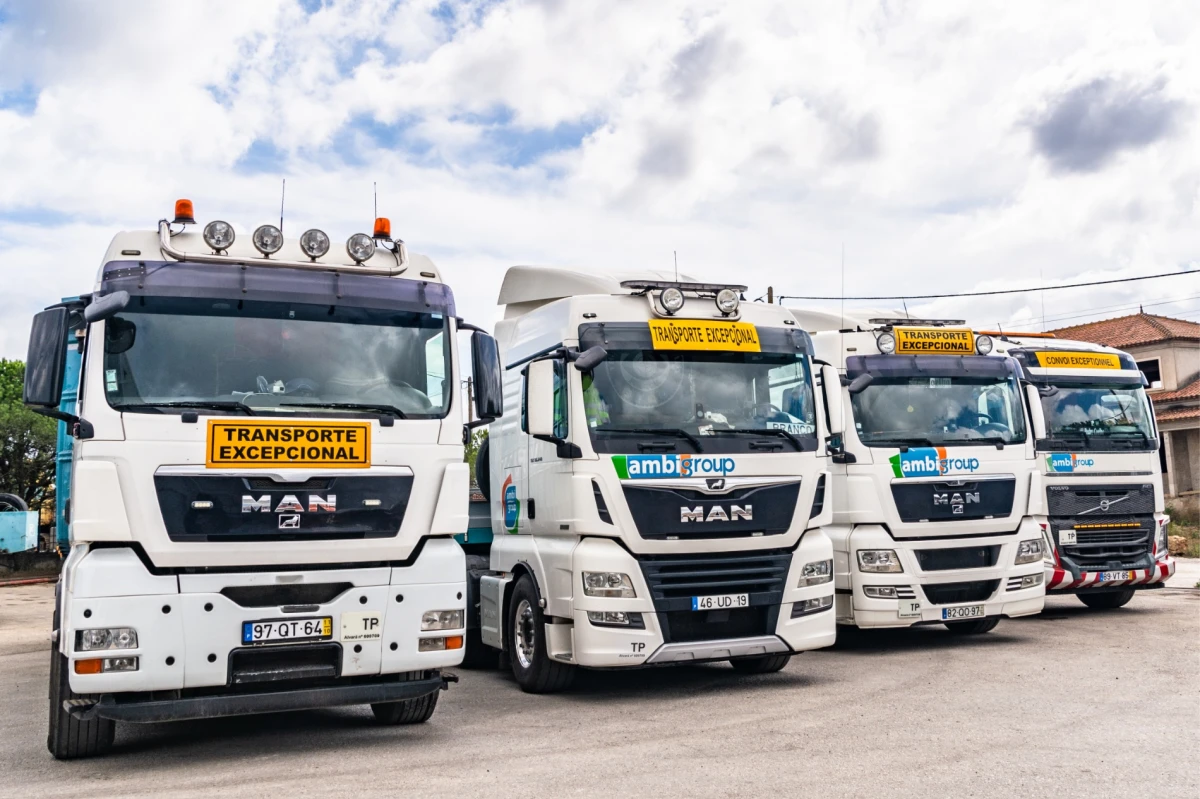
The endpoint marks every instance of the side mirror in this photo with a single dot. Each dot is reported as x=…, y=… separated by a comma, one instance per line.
x=1036, y=415
x=590, y=358
x=859, y=384
x=831, y=386
x=539, y=392
x=46, y=360
x=106, y=306
x=489, y=384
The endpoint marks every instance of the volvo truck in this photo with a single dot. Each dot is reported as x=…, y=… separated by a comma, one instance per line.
x=658, y=482
x=931, y=479
x=265, y=479
x=1097, y=494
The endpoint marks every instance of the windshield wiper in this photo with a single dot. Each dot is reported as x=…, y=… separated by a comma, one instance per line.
x=668, y=431
x=766, y=431
x=213, y=406
x=391, y=410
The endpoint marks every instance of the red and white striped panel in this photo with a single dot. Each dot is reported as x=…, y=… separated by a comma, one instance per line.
x=1061, y=578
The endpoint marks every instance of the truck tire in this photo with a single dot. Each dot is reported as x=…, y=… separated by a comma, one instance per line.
x=407, y=711
x=69, y=737
x=483, y=469
x=767, y=664
x=12, y=502
x=533, y=669
x=1108, y=600
x=977, y=627
x=477, y=654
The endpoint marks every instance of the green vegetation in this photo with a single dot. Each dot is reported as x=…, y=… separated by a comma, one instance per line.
x=27, y=442
x=472, y=449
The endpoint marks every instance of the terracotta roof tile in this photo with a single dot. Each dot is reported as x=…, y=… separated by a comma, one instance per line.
x=1128, y=331
x=1175, y=414
x=1190, y=391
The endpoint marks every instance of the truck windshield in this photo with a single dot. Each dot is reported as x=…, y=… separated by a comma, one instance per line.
x=929, y=411
x=1081, y=416
x=701, y=401
x=272, y=357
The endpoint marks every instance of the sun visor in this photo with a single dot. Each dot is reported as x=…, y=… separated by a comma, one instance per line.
x=636, y=336
x=885, y=366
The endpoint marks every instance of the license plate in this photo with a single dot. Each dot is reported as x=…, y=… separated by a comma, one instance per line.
x=272, y=630
x=969, y=612
x=721, y=602
x=1067, y=537
x=910, y=607
x=1112, y=577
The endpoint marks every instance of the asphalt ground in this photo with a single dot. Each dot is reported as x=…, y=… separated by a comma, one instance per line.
x=1071, y=703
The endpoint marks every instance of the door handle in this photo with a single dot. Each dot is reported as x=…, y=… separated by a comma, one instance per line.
x=532, y=509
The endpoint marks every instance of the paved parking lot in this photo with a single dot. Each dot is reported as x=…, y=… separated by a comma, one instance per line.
x=1071, y=703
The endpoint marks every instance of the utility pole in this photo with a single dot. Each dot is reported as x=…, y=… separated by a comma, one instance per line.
x=770, y=295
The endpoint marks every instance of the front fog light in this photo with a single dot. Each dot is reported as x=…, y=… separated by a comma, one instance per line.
x=360, y=247
x=983, y=345
x=616, y=618
x=1030, y=580
x=120, y=664
x=671, y=299
x=727, y=301
x=807, y=606
x=219, y=235
x=267, y=239
x=609, y=584
x=879, y=560
x=105, y=665
x=815, y=573
x=314, y=243
x=1029, y=551
x=886, y=343
x=880, y=591
x=441, y=620
x=106, y=638
x=439, y=644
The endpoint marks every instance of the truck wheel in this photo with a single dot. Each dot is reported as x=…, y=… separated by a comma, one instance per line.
x=69, y=737
x=406, y=711
x=977, y=627
x=477, y=654
x=767, y=664
x=1107, y=600
x=536, y=673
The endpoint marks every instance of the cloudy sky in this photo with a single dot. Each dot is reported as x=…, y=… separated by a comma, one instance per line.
x=945, y=146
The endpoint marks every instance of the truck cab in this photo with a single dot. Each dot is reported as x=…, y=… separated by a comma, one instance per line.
x=266, y=478
x=658, y=482
x=1098, y=488
x=932, y=477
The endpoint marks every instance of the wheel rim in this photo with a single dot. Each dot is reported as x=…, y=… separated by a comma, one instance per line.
x=524, y=634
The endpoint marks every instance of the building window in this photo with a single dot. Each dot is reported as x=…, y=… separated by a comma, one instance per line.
x=1149, y=368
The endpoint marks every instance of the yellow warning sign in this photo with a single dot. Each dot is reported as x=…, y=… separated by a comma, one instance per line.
x=1078, y=360
x=698, y=334
x=934, y=341
x=289, y=445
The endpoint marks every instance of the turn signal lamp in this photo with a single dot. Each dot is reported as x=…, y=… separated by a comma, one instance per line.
x=89, y=666
x=383, y=228
x=184, y=215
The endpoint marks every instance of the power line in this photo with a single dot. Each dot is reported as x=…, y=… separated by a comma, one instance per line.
x=783, y=297
x=1079, y=314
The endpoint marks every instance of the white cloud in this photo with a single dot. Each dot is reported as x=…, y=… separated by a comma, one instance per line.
x=755, y=138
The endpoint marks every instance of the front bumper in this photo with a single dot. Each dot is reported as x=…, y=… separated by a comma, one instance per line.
x=1060, y=580
x=189, y=627
x=1007, y=599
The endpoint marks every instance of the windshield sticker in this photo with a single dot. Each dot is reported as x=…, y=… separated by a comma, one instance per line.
x=795, y=428
x=934, y=341
x=110, y=380
x=929, y=462
x=512, y=505
x=651, y=467
x=1078, y=360
x=1067, y=462
x=697, y=334
x=290, y=445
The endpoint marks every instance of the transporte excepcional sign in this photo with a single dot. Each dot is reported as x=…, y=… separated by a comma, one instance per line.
x=934, y=341
x=290, y=445
x=698, y=334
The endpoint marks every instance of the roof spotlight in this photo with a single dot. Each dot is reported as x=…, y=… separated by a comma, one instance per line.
x=314, y=243
x=267, y=239
x=983, y=344
x=360, y=247
x=727, y=301
x=887, y=343
x=219, y=235
x=671, y=299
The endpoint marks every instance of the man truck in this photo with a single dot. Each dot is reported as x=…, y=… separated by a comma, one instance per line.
x=265, y=481
x=1097, y=494
x=658, y=482
x=932, y=477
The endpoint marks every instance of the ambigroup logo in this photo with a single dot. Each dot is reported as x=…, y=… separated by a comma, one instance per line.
x=1067, y=462
x=929, y=462
x=654, y=467
x=512, y=505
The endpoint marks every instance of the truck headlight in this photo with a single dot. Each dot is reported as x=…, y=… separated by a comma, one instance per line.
x=610, y=584
x=1029, y=551
x=815, y=573
x=441, y=620
x=1161, y=545
x=879, y=560
x=106, y=638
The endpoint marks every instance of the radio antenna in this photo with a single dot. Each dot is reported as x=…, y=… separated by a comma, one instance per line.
x=907, y=315
x=675, y=253
x=375, y=192
x=282, y=197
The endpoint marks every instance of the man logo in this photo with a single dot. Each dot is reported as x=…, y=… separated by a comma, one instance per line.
x=715, y=483
x=957, y=501
x=716, y=514
x=290, y=504
x=290, y=521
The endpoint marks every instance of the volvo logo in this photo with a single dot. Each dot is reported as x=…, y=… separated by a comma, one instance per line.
x=957, y=501
x=289, y=504
x=716, y=514
x=1104, y=505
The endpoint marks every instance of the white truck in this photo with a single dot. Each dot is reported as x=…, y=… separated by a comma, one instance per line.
x=931, y=480
x=658, y=481
x=267, y=478
x=1097, y=494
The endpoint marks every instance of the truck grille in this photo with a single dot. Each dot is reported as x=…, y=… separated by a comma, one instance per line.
x=932, y=560
x=956, y=500
x=662, y=512
x=1094, y=501
x=1108, y=548
x=954, y=593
